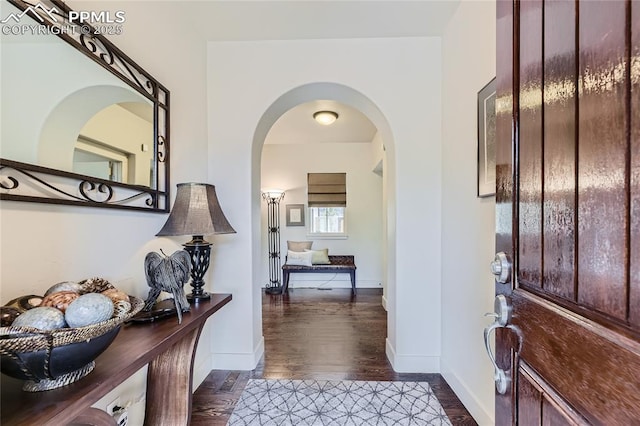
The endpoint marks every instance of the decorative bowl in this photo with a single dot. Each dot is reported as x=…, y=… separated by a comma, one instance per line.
x=51, y=359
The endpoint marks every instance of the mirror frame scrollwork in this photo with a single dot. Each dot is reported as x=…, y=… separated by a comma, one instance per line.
x=60, y=187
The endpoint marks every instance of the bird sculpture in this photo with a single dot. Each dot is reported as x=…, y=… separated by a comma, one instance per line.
x=169, y=274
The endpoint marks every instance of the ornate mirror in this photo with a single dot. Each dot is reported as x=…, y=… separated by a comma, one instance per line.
x=82, y=123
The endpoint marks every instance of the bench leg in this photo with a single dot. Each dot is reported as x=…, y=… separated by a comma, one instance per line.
x=285, y=281
x=353, y=281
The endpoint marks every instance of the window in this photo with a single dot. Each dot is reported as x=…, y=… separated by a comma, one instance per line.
x=326, y=220
x=327, y=198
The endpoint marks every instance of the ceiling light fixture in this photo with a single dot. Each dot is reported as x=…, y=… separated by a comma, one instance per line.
x=325, y=117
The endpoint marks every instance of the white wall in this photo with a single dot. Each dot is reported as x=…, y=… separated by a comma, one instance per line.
x=401, y=77
x=467, y=222
x=286, y=167
x=41, y=244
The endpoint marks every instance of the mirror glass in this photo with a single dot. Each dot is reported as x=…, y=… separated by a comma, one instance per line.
x=64, y=113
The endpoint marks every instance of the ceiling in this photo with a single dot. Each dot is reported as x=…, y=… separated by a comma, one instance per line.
x=320, y=19
x=297, y=125
x=317, y=19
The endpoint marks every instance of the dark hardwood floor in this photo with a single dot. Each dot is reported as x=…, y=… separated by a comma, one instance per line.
x=318, y=334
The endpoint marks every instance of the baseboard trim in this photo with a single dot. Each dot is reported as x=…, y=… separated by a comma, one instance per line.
x=468, y=398
x=384, y=302
x=411, y=363
x=258, y=352
x=238, y=361
x=201, y=371
x=391, y=353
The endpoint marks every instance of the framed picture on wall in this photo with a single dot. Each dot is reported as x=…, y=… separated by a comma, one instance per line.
x=487, y=140
x=295, y=214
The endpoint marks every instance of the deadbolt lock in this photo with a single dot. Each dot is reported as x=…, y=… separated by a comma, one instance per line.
x=501, y=268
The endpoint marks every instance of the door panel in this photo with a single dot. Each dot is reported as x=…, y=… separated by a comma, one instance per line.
x=593, y=369
x=553, y=416
x=542, y=406
x=559, y=149
x=530, y=95
x=529, y=400
x=568, y=210
x=634, y=296
x=602, y=149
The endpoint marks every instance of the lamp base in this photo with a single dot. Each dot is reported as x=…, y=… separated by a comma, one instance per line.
x=195, y=298
x=200, y=252
x=273, y=290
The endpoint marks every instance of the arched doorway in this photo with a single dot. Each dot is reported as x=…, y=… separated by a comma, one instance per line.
x=353, y=98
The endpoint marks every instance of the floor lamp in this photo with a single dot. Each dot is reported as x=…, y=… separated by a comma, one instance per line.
x=273, y=198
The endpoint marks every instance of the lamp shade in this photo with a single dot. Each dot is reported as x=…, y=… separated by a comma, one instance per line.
x=196, y=211
x=273, y=194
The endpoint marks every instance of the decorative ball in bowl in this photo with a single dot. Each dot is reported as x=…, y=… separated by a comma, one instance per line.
x=51, y=358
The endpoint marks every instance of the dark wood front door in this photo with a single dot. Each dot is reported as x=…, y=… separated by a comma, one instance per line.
x=568, y=211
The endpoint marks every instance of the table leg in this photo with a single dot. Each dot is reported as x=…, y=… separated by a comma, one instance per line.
x=170, y=383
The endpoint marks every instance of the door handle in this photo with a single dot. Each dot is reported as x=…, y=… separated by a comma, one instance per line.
x=499, y=375
x=502, y=315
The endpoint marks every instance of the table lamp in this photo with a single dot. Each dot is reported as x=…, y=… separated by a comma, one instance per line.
x=196, y=212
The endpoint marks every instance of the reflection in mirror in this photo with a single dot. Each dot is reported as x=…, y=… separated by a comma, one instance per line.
x=87, y=103
x=114, y=144
x=93, y=116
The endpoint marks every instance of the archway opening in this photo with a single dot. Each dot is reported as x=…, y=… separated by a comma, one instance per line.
x=384, y=166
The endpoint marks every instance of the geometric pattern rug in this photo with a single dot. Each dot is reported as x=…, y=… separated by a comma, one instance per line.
x=337, y=403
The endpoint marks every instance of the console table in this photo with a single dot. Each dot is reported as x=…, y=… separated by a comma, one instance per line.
x=168, y=348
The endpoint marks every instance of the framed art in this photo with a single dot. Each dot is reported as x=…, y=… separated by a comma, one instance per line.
x=295, y=214
x=487, y=140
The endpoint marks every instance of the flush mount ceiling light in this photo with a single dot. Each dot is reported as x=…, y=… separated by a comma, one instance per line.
x=325, y=117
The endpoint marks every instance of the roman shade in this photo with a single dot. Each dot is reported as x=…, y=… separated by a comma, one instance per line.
x=327, y=189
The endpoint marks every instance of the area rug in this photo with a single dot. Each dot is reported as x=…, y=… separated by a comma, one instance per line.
x=337, y=403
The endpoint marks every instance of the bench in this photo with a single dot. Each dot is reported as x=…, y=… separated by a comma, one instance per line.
x=339, y=265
